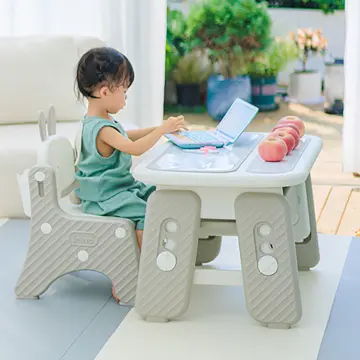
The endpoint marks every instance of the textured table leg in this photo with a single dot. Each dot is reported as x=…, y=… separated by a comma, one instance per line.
x=168, y=255
x=268, y=259
x=208, y=250
x=308, y=254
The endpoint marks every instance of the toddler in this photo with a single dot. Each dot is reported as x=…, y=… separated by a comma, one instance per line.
x=106, y=186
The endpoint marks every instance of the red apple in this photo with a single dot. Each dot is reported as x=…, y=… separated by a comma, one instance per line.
x=287, y=137
x=292, y=132
x=282, y=125
x=272, y=149
x=294, y=120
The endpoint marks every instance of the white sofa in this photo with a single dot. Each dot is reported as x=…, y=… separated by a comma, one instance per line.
x=36, y=72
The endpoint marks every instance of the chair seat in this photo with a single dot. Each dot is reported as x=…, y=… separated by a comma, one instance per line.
x=75, y=210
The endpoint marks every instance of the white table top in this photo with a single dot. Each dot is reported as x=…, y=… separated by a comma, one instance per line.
x=273, y=174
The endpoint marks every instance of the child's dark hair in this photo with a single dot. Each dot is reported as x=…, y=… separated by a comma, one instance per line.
x=102, y=66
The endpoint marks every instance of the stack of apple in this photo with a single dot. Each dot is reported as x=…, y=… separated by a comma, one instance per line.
x=283, y=139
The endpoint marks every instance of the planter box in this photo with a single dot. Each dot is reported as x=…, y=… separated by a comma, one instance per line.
x=334, y=87
x=188, y=94
x=263, y=91
x=305, y=87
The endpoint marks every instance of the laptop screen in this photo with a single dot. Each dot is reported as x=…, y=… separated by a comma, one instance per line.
x=237, y=119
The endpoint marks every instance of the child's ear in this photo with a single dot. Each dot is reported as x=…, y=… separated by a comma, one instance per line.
x=104, y=91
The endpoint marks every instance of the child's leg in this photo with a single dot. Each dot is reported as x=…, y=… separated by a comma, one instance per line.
x=136, y=208
x=139, y=235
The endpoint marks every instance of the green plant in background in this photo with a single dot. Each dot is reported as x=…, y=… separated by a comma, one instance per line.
x=171, y=57
x=191, y=69
x=176, y=28
x=232, y=31
x=175, y=39
x=274, y=59
x=327, y=6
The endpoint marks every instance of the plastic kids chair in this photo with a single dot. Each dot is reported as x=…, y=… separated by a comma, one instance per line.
x=64, y=239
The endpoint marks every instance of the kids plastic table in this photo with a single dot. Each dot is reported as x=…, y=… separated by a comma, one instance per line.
x=269, y=206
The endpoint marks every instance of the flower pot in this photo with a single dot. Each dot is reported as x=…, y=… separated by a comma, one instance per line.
x=263, y=92
x=188, y=94
x=305, y=87
x=170, y=92
x=222, y=92
x=334, y=87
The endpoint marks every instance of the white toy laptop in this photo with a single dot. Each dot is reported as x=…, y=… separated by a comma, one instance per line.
x=233, y=124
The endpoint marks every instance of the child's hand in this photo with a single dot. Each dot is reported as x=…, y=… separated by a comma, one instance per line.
x=174, y=124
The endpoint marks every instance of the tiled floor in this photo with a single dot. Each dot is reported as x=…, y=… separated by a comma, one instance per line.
x=222, y=327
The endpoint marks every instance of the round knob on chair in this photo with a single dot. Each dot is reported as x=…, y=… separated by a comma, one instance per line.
x=166, y=261
x=120, y=233
x=83, y=255
x=264, y=230
x=171, y=226
x=266, y=248
x=268, y=265
x=39, y=176
x=46, y=228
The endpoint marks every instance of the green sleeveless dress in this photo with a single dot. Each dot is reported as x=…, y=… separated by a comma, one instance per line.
x=106, y=186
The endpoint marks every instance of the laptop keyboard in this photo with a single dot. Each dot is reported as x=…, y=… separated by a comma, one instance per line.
x=197, y=136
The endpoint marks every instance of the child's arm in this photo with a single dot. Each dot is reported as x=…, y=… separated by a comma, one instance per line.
x=116, y=140
x=139, y=133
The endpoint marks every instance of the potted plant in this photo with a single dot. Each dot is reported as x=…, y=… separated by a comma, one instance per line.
x=264, y=69
x=174, y=48
x=190, y=72
x=305, y=84
x=232, y=32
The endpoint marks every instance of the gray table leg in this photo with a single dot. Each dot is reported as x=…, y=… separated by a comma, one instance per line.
x=308, y=254
x=208, y=250
x=268, y=259
x=168, y=255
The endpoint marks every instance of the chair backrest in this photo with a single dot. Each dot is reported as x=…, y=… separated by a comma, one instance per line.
x=77, y=143
x=47, y=126
x=57, y=152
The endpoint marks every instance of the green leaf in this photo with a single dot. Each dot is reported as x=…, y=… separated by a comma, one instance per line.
x=229, y=29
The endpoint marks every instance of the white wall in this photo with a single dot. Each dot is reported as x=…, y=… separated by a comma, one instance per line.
x=286, y=20
x=333, y=26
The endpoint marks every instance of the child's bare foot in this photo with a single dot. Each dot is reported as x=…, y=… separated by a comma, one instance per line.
x=114, y=295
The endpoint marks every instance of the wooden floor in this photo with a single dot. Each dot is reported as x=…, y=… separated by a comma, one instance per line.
x=337, y=209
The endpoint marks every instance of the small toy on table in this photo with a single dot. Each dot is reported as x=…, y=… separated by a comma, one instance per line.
x=204, y=150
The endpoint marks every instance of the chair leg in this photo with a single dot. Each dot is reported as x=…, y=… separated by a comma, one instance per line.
x=61, y=244
x=50, y=257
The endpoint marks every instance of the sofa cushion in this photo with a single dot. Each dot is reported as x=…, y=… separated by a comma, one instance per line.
x=37, y=72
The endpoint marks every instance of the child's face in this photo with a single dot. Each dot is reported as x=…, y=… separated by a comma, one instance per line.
x=113, y=99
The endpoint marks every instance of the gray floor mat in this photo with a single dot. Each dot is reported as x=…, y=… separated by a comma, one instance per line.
x=72, y=320
x=340, y=339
